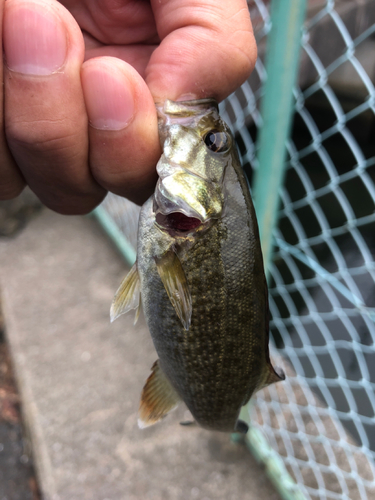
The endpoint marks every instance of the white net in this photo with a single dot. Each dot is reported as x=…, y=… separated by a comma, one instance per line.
x=321, y=420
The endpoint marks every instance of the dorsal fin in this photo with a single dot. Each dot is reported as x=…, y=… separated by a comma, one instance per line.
x=174, y=280
x=158, y=398
x=127, y=296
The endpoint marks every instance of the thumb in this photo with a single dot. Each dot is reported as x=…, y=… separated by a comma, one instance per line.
x=207, y=48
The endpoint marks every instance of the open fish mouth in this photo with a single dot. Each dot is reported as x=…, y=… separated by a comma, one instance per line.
x=176, y=223
x=185, y=202
x=175, y=215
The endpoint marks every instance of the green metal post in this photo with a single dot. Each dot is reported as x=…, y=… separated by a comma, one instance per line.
x=282, y=61
x=126, y=249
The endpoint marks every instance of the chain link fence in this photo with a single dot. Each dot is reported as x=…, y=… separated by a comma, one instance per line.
x=321, y=420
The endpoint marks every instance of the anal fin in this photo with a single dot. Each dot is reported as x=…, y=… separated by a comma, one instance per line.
x=272, y=375
x=127, y=296
x=158, y=398
x=174, y=280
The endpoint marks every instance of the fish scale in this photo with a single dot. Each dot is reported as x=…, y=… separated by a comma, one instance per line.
x=199, y=275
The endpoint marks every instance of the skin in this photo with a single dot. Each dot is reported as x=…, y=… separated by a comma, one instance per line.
x=87, y=124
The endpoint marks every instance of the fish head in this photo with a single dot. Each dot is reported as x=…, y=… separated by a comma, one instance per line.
x=197, y=148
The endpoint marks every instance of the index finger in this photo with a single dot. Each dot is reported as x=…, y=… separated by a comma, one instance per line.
x=207, y=48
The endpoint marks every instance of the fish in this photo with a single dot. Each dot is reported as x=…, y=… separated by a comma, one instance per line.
x=199, y=275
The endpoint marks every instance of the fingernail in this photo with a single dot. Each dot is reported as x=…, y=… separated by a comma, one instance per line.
x=34, y=41
x=109, y=101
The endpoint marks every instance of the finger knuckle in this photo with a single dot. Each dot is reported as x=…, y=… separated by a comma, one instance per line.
x=43, y=137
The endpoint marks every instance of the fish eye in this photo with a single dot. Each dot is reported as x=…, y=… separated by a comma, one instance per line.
x=216, y=141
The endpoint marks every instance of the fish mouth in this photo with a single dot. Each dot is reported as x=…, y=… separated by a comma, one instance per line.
x=189, y=195
x=184, y=204
x=177, y=223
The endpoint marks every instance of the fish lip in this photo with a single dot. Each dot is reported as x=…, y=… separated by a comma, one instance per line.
x=178, y=210
x=161, y=214
x=165, y=202
x=161, y=217
x=167, y=207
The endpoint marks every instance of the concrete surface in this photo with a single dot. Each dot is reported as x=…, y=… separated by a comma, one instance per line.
x=80, y=379
x=17, y=477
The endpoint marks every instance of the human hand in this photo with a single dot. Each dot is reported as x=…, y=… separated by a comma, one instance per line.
x=80, y=80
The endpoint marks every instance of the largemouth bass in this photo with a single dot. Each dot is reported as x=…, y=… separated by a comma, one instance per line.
x=199, y=275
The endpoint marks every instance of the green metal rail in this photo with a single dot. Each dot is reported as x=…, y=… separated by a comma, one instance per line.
x=282, y=62
x=125, y=248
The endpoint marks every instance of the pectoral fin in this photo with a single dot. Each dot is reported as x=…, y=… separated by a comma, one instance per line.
x=127, y=296
x=174, y=281
x=158, y=398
